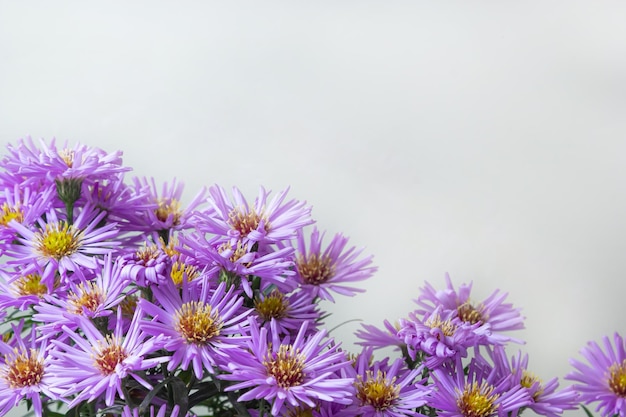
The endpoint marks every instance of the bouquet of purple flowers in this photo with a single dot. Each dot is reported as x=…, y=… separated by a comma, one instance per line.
x=118, y=300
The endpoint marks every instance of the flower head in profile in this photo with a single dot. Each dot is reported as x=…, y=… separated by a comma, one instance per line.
x=23, y=205
x=24, y=371
x=265, y=221
x=376, y=338
x=603, y=378
x=499, y=316
x=198, y=326
x=90, y=365
x=286, y=311
x=322, y=270
x=289, y=372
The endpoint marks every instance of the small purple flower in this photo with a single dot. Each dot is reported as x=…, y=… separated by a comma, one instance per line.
x=493, y=311
x=90, y=365
x=24, y=372
x=198, y=326
x=385, y=391
x=482, y=392
x=320, y=271
x=23, y=205
x=287, y=311
x=603, y=379
x=288, y=372
x=58, y=246
x=265, y=221
x=372, y=336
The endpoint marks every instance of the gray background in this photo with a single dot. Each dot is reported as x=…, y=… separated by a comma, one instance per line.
x=483, y=139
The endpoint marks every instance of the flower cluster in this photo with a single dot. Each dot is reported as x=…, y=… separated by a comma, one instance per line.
x=118, y=299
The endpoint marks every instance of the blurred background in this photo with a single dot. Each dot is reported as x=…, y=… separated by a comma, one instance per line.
x=482, y=139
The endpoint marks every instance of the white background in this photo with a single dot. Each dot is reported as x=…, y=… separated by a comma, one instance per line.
x=483, y=139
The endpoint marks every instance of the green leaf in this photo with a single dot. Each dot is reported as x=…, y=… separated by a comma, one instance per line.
x=586, y=410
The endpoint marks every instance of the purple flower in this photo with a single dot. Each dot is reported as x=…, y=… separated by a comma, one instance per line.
x=441, y=336
x=492, y=311
x=385, y=391
x=58, y=246
x=198, y=327
x=321, y=271
x=23, y=205
x=288, y=372
x=91, y=364
x=264, y=221
x=24, y=372
x=286, y=311
x=603, y=379
x=481, y=393
x=49, y=163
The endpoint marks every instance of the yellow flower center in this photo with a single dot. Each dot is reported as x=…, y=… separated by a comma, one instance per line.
x=108, y=355
x=446, y=327
x=129, y=305
x=88, y=295
x=67, y=156
x=477, y=400
x=198, y=322
x=470, y=314
x=30, y=285
x=180, y=270
x=315, y=270
x=8, y=213
x=246, y=221
x=167, y=207
x=617, y=378
x=237, y=253
x=58, y=240
x=147, y=253
x=23, y=369
x=376, y=390
x=273, y=306
x=529, y=379
x=286, y=366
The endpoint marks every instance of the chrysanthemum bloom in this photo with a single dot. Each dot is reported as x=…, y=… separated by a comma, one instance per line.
x=603, y=379
x=385, y=391
x=288, y=311
x=23, y=205
x=95, y=365
x=480, y=393
x=198, y=327
x=440, y=336
x=149, y=264
x=264, y=221
x=320, y=271
x=545, y=399
x=236, y=262
x=372, y=336
x=48, y=162
x=24, y=372
x=296, y=373
x=493, y=311
x=58, y=246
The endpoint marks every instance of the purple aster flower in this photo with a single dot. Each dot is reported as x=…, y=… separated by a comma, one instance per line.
x=23, y=205
x=264, y=221
x=58, y=246
x=441, y=336
x=47, y=162
x=91, y=296
x=273, y=268
x=493, y=311
x=169, y=213
x=372, y=336
x=288, y=372
x=321, y=271
x=545, y=399
x=198, y=326
x=286, y=312
x=385, y=391
x=148, y=264
x=94, y=366
x=603, y=378
x=24, y=372
x=482, y=392
x=20, y=290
